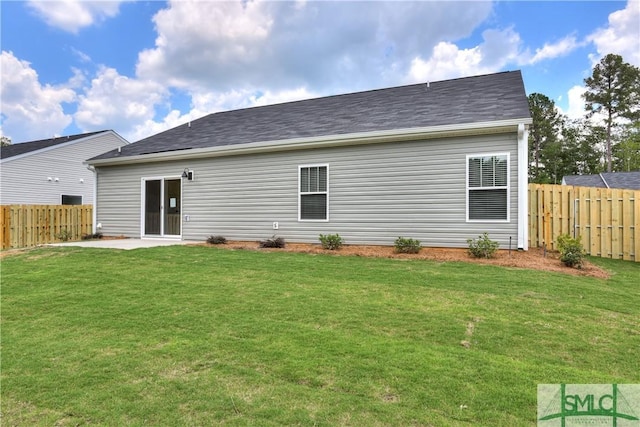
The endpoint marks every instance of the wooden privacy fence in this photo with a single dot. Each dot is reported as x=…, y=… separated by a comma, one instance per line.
x=30, y=225
x=607, y=219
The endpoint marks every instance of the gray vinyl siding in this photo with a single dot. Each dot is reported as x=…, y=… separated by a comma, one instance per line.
x=25, y=177
x=377, y=193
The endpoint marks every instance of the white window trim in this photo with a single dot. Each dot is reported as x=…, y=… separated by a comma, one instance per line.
x=507, y=187
x=300, y=194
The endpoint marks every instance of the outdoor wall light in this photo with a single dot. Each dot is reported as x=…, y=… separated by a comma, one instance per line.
x=187, y=174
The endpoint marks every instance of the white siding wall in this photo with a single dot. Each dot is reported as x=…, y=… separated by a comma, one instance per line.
x=24, y=178
x=376, y=193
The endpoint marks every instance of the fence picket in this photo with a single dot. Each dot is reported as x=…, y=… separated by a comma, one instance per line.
x=616, y=252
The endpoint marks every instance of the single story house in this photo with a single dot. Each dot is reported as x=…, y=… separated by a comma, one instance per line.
x=622, y=180
x=440, y=162
x=52, y=171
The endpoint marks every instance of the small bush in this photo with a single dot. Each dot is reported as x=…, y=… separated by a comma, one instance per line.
x=64, y=235
x=94, y=236
x=273, y=242
x=483, y=247
x=216, y=240
x=571, y=251
x=331, y=241
x=407, y=246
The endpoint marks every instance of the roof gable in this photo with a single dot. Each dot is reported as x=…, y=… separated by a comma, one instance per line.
x=478, y=99
x=33, y=146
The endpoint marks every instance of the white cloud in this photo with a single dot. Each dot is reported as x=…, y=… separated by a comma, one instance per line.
x=83, y=57
x=117, y=102
x=152, y=127
x=30, y=109
x=194, y=38
x=447, y=60
x=621, y=36
x=555, y=50
x=73, y=15
x=575, y=109
x=270, y=97
x=333, y=46
x=576, y=106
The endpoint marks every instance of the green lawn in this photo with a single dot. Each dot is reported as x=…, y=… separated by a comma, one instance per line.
x=193, y=335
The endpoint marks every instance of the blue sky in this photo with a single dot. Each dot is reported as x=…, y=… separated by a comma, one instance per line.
x=140, y=67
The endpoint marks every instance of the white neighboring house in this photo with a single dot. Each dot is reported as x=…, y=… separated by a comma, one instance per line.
x=51, y=171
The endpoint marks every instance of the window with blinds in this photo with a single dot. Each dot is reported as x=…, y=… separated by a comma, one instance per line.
x=488, y=187
x=314, y=193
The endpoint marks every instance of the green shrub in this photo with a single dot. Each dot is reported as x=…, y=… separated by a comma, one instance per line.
x=407, y=246
x=331, y=241
x=216, y=240
x=571, y=251
x=483, y=247
x=64, y=235
x=273, y=242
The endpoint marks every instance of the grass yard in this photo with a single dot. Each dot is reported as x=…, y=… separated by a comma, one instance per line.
x=193, y=335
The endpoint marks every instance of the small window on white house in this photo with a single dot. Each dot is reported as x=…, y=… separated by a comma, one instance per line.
x=71, y=200
x=314, y=194
x=488, y=187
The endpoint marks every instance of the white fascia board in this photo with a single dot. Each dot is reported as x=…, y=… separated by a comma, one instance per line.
x=360, y=138
x=65, y=144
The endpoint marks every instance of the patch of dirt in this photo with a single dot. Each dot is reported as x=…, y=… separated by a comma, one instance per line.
x=471, y=326
x=10, y=252
x=534, y=258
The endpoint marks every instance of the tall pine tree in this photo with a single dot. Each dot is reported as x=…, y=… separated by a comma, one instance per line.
x=543, y=136
x=613, y=90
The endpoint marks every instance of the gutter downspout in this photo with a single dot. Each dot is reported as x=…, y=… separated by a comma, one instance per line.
x=523, y=187
x=95, y=198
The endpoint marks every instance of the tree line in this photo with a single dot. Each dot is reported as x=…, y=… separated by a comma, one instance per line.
x=606, y=139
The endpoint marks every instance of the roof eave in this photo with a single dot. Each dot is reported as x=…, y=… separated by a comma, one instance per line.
x=375, y=137
x=64, y=144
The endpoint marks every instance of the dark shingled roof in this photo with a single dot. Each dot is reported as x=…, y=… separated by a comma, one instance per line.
x=624, y=180
x=477, y=99
x=27, y=147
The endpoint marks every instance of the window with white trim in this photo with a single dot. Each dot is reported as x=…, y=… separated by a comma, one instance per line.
x=488, y=187
x=314, y=194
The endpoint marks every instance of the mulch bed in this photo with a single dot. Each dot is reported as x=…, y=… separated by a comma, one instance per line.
x=534, y=258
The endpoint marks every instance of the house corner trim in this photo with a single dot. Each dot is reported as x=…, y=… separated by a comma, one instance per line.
x=523, y=191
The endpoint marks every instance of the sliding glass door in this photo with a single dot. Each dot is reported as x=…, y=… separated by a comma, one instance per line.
x=162, y=200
